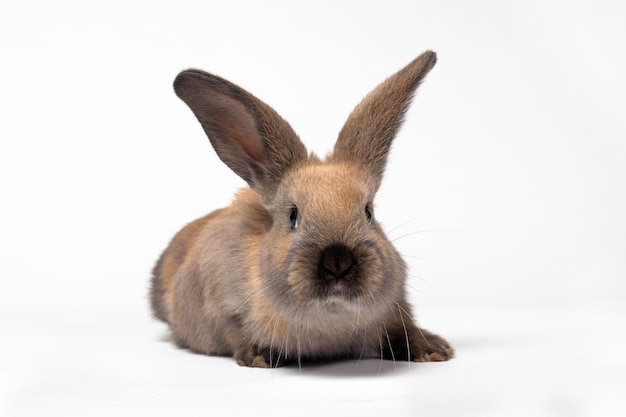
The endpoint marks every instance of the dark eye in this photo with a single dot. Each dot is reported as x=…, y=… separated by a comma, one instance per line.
x=293, y=217
x=368, y=213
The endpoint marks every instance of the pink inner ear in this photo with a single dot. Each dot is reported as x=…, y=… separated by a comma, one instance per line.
x=237, y=127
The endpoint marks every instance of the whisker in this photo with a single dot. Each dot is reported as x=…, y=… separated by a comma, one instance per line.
x=390, y=231
x=421, y=258
x=284, y=348
x=269, y=323
x=406, y=334
x=299, y=349
x=272, y=344
x=416, y=290
x=280, y=352
x=423, y=336
x=405, y=312
x=308, y=327
x=362, y=347
x=246, y=301
x=415, y=275
x=393, y=357
x=424, y=231
x=356, y=320
x=382, y=354
x=373, y=304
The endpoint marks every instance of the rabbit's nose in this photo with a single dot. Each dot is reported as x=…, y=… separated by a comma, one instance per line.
x=337, y=261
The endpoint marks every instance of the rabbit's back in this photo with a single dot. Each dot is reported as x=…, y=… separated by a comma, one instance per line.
x=204, y=251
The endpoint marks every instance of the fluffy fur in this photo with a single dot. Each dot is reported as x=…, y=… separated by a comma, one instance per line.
x=297, y=266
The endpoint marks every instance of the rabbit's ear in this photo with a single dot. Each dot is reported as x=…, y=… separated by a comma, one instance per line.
x=367, y=134
x=247, y=134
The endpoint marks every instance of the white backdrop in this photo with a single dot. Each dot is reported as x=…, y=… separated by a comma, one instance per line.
x=506, y=190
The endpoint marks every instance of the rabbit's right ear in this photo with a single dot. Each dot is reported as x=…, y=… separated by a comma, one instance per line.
x=247, y=134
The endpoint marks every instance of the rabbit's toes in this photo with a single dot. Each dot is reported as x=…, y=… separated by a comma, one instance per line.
x=428, y=347
x=255, y=357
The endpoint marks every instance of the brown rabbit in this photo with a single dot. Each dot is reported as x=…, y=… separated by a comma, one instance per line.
x=296, y=267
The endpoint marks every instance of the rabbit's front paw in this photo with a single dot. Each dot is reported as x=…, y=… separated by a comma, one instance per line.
x=429, y=347
x=255, y=357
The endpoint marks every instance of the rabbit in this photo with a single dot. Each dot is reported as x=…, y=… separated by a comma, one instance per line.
x=297, y=267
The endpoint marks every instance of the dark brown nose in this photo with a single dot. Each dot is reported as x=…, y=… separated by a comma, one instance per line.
x=337, y=261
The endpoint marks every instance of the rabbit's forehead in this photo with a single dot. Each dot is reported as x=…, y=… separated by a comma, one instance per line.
x=338, y=181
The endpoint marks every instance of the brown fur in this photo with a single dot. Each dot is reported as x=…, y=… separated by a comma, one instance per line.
x=296, y=267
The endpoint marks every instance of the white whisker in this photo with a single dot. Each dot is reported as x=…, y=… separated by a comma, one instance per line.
x=423, y=336
x=406, y=334
x=405, y=312
x=382, y=354
x=272, y=345
x=299, y=349
x=362, y=347
x=390, y=231
x=393, y=357
x=418, y=232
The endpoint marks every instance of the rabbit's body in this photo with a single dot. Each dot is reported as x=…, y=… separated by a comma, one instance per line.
x=296, y=267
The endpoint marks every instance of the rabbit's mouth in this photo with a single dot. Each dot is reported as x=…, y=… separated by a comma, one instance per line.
x=339, y=291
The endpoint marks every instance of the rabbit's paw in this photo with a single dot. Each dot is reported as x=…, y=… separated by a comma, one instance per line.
x=255, y=357
x=429, y=347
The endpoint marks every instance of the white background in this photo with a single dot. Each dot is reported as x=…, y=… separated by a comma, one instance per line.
x=506, y=190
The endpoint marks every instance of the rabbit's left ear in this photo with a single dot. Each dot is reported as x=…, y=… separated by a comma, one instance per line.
x=367, y=134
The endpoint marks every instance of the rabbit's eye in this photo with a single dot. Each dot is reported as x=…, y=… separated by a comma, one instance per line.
x=293, y=217
x=368, y=213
